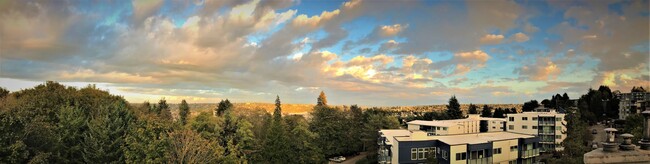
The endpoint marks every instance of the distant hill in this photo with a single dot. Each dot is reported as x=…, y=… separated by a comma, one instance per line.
x=306, y=108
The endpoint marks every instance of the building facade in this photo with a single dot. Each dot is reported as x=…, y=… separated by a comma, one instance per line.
x=548, y=124
x=404, y=146
x=632, y=103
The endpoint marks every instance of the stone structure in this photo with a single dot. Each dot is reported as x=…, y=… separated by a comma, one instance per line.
x=645, y=140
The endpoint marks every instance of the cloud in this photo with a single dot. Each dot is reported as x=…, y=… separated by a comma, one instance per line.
x=543, y=70
x=520, y=37
x=491, y=39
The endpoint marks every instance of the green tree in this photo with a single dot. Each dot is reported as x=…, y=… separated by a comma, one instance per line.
x=499, y=113
x=71, y=129
x=275, y=145
x=486, y=112
x=106, y=131
x=322, y=99
x=472, y=109
x=163, y=109
x=3, y=92
x=453, y=109
x=223, y=106
x=530, y=106
x=303, y=149
x=183, y=111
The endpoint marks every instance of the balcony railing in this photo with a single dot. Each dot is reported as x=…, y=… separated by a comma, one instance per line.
x=480, y=160
x=545, y=123
x=530, y=153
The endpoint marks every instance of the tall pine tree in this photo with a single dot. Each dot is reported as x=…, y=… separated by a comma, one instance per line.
x=275, y=148
x=322, y=99
x=486, y=112
x=472, y=109
x=183, y=111
x=453, y=109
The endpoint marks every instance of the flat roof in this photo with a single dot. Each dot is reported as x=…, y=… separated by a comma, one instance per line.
x=390, y=133
x=474, y=138
x=441, y=123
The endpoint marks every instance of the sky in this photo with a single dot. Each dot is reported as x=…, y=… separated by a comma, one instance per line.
x=377, y=53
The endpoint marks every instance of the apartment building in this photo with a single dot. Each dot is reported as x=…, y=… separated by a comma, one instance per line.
x=546, y=123
x=631, y=103
x=472, y=124
x=406, y=146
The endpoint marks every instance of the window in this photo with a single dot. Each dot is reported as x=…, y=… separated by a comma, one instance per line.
x=558, y=136
x=414, y=153
x=421, y=153
x=534, y=118
x=511, y=119
x=534, y=127
x=524, y=118
x=512, y=162
x=494, y=127
x=433, y=152
x=437, y=151
x=558, y=128
x=445, y=155
x=511, y=127
x=513, y=148
x=524, y=127
x=558, y=119
x=497, y=151
x=437, y=128
x=461, y=156
x=444, y=128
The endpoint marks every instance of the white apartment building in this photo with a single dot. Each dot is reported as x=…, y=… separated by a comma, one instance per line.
x=471, y=124
x=635, y=100
x=405, y=146
x=549, y=125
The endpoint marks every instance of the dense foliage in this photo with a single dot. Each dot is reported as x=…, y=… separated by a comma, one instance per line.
x=54, y=123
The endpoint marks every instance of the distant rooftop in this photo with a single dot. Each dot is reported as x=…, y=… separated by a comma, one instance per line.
x=474, y=138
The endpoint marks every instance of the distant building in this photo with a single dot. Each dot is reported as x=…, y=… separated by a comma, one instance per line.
x=632, y=103
x=546, y=123
x=406, y=146
x=472, y=124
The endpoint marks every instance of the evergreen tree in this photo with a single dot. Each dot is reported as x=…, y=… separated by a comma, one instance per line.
x=275, y=148
x=223, y=106
x=71, y=129
x=183, y=112
x=3, y=92
x=322, y=99
x=163, y=109
x=303, y=149
x=530, y=106
x=565, y=97
x=106, y=131
x=453, y=109
x=356, y=122
x=487, y=111
x=472, y=109
x=499, y=113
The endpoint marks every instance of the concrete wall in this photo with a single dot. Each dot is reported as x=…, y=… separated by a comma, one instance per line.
x=505, y=155
x=457, y=149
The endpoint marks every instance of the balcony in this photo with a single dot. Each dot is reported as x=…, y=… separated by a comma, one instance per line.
x=529, y=153
x=480, y=160
x=547, y=123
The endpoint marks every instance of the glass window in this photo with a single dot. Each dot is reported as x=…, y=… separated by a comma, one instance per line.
x=558, y=128
x=511, y=127
x=524, y=118
x=421, y=153
x=437, y=128
x=511, y=119
x=558, y=119
x=558, y=136
x=414, y=154
x=497, y=151
x=513, y=148
x=444, y=128
x=534, y=127
x=433, y=151
x=534, y=118
x=524, y=127
x=461, y=156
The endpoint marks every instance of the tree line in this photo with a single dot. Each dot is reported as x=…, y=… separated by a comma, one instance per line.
x=52, y=122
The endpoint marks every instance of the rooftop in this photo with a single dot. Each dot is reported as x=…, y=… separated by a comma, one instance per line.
x=390, y=133
x=448, y=123
x=474, y=138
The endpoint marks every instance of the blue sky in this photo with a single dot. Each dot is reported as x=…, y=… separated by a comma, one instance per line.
x=376, y=53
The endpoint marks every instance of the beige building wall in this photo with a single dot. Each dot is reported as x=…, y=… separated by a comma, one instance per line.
x=457, y=149
x=505, y=155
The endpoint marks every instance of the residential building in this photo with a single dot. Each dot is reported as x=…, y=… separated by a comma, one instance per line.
x=415, y=146
x=472, y=124
x=631, y=103
x=546, y=123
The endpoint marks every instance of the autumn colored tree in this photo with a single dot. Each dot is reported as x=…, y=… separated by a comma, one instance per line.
x=322, y=99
